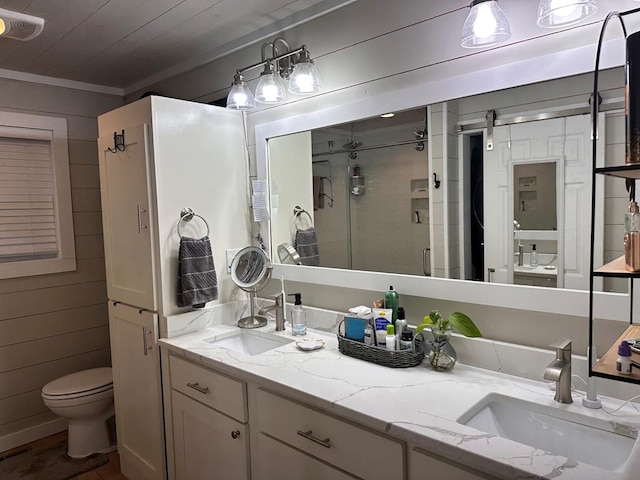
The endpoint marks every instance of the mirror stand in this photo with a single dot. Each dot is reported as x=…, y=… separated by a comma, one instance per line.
x=253, y=320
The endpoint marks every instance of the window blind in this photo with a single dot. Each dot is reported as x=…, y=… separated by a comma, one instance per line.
x=27, y=193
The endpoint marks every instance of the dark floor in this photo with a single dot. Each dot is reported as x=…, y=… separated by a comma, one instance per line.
x=109, y=471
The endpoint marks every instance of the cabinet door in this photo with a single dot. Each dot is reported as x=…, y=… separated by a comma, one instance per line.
x=423, y=465
x=137, y=392
x=279, y=461
x=124, y=187
x=206, y=443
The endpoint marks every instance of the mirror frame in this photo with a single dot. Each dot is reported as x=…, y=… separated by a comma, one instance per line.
x=608, y=306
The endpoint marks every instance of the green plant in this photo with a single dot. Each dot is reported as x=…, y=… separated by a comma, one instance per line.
x=460, y=321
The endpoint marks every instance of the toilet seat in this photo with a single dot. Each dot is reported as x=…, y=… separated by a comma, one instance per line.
x=79, y=384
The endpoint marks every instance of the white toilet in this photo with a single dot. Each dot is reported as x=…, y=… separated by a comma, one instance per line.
x=85, y=399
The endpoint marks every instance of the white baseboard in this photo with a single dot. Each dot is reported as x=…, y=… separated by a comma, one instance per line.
x=32, y=434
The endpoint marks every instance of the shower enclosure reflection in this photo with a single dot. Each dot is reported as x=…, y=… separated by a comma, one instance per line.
x=370, y=195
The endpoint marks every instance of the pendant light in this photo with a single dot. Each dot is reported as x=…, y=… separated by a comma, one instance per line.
x=560, y=13
x=240, y=96
x=304, y=79
x=485, y=25
x=269, y=90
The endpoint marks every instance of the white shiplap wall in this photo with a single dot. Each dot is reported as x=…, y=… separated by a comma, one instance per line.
x=52, y=325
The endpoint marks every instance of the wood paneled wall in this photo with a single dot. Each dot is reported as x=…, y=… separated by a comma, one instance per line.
x=52, y=325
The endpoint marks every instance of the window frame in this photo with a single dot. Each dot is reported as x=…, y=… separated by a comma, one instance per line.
x=56, y=127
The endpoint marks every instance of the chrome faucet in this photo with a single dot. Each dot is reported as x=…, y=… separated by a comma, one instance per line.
x=560, y=371
x=279, y=307
x=520, y=253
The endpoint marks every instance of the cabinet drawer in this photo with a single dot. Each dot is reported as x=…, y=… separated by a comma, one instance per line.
x=213, y=389
x=356, y=450
x=281, y=462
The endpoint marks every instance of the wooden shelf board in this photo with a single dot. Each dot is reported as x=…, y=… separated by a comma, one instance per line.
x=615, y=268
x=623, y=171
x=607, y=364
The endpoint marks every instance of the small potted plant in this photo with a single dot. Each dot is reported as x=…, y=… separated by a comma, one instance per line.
x=439, y=352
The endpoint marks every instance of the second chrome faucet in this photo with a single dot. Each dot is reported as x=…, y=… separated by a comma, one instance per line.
x=560, y=371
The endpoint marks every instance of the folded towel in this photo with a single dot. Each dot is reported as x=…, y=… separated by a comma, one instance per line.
x=306, y=244
x=197, y=280
x=318, y=192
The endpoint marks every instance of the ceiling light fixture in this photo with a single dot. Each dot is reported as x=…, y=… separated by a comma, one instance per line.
x=485, y=25
x=295, y=66
x=388, y=115
x=19, y=25
x=560, y=13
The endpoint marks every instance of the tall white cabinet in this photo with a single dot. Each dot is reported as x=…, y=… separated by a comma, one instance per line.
x=168, y=155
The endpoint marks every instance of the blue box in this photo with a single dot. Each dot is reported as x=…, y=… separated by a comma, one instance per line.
x=354, y=328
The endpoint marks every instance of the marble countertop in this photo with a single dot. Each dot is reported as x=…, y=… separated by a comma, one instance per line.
x=546, y=270
x=417, y=404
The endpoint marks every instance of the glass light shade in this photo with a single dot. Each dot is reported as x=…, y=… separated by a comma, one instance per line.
x=305, y=79
x=559, y=13
x=240, y=96
x=270, y=89
x=485, y=25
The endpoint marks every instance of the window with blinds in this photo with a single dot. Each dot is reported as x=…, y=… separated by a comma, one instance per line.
x=27, y=200
x=36, y=221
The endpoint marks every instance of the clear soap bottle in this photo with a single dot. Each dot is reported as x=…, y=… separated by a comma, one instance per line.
x=298, y=316
x=533, y=260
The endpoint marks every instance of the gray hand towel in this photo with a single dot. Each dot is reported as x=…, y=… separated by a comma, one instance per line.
x=197, y=280
x=306, y=244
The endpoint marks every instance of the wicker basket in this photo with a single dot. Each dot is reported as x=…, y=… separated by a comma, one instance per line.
x=380, y=355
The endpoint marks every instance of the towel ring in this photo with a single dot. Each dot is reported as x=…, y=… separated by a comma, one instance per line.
x=298, y=210
x=186, y=215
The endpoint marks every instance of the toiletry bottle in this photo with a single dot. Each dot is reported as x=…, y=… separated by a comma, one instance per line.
x=298, y=317
x=369, y=335
x=632, y=238
x=623, y=363
x=406, y=341
x=401, y=323
x=533, y=260
x=390, y=341
x=391, y=301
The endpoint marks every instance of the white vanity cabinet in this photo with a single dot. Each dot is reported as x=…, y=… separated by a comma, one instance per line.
x=310, y=443
x=209, y=424
x=425, y=465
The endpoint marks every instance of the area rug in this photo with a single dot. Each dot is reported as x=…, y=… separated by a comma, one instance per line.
x=49, y=463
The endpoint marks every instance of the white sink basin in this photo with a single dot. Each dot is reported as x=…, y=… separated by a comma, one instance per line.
x=603, y=444
x=249, y=342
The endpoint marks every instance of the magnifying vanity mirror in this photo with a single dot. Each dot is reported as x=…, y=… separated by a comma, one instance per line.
x=250, y=271
x=288, y=255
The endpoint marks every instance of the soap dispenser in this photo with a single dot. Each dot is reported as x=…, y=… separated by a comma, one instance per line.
x=533, y=260
x=298, y=316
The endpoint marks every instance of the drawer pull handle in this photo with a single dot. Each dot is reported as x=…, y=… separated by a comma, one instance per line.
x=235, y=434
x=326, y=443
x=196, y=386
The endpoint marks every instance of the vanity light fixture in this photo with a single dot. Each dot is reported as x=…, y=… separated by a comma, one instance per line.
x=283, y=64
x=485, y=25
x=560, y=13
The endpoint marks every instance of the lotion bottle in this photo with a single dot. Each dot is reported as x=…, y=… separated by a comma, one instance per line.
x=391, y=338
x=391, y=302
x=533, y=260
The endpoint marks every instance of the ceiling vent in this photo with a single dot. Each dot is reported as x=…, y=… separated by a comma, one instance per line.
x=19, y=26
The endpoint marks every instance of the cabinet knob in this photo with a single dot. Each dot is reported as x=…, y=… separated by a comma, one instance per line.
x=235, y=434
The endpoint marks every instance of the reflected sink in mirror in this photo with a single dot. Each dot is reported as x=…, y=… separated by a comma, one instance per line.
x=249, y=342
x=600, y=443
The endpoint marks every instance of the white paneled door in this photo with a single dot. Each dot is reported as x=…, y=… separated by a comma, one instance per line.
x=124, y=187
x=567, y=142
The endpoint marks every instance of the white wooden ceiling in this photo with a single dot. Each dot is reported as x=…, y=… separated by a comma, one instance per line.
x=118, y=43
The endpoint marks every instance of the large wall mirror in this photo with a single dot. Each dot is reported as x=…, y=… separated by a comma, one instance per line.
x=373, y=190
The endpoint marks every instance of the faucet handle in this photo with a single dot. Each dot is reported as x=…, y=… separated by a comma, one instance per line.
x=563, y=348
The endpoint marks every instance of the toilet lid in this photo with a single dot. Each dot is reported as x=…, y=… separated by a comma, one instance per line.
x=79, y=382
